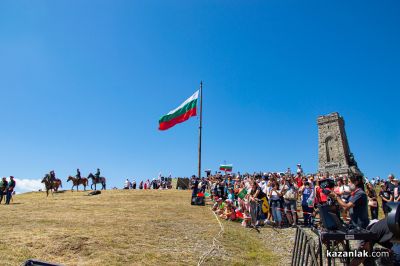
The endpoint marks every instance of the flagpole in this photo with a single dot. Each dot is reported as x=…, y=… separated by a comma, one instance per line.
x=200, y=125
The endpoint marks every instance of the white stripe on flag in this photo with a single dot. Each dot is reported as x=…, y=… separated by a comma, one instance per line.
x=191, y=98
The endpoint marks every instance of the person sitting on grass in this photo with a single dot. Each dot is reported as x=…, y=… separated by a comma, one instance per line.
x=215, y=206
x=227, y=213
x=230, y=211
x=220, y=207
x=233, y=216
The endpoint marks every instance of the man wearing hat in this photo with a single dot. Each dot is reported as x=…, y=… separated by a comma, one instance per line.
x=10, y=189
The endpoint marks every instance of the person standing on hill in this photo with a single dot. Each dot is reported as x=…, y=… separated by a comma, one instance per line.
x=10, y=189
x=386, y=196
x=391, y=184
x=372, y=201
x=3, y=188
x=194, y=186
x=127, y=184
x=306, y=192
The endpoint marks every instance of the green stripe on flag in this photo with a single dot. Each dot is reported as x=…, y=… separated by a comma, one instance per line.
x=190, y=105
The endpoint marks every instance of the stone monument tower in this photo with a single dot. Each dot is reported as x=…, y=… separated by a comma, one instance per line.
x=333, y=148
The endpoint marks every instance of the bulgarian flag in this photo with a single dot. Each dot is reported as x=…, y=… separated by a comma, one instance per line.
x=182, y=113
x=225, y=167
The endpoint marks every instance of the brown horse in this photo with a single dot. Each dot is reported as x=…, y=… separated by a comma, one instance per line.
x=77, y=182
x=51, y=185
x=57, y=184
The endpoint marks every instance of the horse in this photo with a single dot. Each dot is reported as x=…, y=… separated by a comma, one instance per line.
x=96, y=180
x=51, y=185
x=57, y=183
x=77, y=182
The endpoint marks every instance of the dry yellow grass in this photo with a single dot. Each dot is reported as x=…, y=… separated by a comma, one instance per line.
x=122, y=227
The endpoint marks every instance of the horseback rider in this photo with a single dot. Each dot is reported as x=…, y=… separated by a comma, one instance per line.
x=78, y=174
x=52, y=176
x=97, y=175
x=47, y=177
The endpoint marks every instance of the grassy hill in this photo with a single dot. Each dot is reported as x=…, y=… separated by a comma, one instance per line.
x=126, y=227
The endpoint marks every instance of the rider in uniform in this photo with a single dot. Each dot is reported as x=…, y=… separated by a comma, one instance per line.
x=52, y=176
x=97, y=175
x=78, y=174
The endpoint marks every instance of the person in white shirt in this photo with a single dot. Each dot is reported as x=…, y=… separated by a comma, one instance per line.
x=264, y=187
x=299, y=169
x=127, y=184
x=268, y=187
x=274, y=196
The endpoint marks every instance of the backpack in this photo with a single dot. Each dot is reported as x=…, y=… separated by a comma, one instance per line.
x=290, y=194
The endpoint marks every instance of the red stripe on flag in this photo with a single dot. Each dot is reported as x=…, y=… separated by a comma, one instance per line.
x=179, y=119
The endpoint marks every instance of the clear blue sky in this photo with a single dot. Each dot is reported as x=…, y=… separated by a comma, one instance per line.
x=84, y=83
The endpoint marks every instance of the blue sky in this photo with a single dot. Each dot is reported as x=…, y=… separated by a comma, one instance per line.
x=84, y=83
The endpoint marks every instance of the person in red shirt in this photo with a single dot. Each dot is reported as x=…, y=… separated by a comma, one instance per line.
x=299, y=180
x=319, y=195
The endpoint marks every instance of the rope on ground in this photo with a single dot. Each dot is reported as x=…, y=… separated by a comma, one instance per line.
x=215, y=243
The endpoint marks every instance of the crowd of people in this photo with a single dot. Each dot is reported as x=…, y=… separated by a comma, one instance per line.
x=290, y=199
x=7, y=189
x=159, y=183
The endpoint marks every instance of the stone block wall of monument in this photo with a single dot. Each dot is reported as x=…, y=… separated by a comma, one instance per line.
x=334, y=154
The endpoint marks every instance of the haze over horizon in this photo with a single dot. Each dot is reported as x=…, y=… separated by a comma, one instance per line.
x=83, y=85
